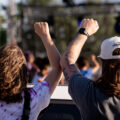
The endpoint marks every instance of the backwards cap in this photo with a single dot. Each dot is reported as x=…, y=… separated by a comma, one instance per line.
x=108, y=46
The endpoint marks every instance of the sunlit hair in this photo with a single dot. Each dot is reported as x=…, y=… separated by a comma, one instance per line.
x=13, y=74
x=109, y=83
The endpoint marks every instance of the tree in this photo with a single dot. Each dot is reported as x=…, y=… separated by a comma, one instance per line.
x=2, y=31
x=38, y=2
x=65, y=27
x=65, y=30
x=2, y=36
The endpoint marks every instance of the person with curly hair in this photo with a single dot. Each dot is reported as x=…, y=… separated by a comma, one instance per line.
x=16, y=101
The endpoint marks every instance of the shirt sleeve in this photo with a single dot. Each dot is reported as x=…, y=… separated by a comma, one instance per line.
x=42, y=95
x=79, y=88
x=89, y=73
x=86, y=73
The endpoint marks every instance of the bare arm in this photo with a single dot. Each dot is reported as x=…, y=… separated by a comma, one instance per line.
x=96, y=64
x=53, y=54
x=72, y=53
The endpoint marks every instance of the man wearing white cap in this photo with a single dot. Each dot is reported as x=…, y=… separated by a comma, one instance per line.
x=98, y=100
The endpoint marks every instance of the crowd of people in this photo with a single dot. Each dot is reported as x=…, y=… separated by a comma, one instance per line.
x=97, y=99
x=38, y=68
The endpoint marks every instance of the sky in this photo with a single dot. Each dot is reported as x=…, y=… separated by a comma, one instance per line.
x=4, y=2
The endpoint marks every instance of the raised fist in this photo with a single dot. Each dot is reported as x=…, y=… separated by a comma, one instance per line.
x=90, y=25
x=41, y=29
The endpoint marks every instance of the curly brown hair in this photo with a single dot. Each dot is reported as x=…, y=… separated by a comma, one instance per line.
x=13, y=74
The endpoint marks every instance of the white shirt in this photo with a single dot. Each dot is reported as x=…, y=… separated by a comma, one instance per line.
x=37, y=77
x=40, y=98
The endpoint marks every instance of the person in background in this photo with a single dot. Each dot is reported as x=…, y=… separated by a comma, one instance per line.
x=29, y=59
x=32, y=68
x=44, y=68
x=98, y=100
x=16, y=101
x=84, y=66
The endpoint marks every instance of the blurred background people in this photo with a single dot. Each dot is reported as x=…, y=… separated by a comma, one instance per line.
x=86, y=69
x=44, y=68
x=32, y=68
x=29, y=59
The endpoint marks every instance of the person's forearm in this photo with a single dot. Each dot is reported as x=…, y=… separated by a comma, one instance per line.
x=71, y=55
x=42, y=29
x=95, y=62
x=54, y=57
x=73, y=51
x=52, y=52
x=96, y=66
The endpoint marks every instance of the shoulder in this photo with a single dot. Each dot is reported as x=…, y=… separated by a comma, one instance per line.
x=81, y=88
x=79, y=79
x=86, y=73
x=40, y=95
x=79, y=84
x=40, y=87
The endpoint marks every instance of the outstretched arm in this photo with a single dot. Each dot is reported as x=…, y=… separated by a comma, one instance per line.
x=96, y=64
x=72, y=53
x=42, y=30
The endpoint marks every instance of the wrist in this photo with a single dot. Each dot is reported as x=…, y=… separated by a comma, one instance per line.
x=84, y=37
x=44, y=36
x=47, y=38
x=83, y=31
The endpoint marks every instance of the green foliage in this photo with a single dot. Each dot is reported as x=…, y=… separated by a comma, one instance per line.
x=106, y=30
x=38, y=2
x=65, y=28
x=2, y=19
x=95, y=1
x=2, y=37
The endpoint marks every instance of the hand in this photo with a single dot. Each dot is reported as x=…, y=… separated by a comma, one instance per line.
x=40, y=80
x=41, y=29
x=90, y=25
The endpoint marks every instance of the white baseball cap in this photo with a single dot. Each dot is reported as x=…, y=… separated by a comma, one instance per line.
x=108, y=46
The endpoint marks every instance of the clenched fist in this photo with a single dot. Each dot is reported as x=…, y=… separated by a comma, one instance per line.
x=41, y=29
x=90, y=25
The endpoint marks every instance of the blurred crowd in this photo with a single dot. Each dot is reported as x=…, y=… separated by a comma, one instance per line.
x=39, y=67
